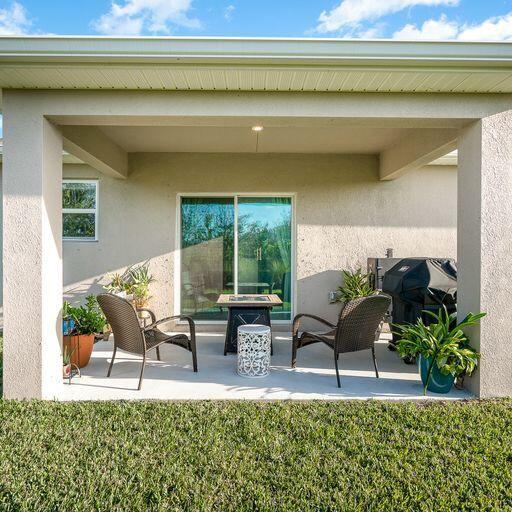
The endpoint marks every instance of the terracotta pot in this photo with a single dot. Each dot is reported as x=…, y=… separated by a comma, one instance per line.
x=81, y=348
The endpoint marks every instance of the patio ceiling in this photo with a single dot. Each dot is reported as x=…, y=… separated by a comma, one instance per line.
x=221, y=64
x=241, y=139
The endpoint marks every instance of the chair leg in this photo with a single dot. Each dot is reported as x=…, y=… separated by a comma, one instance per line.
x=158, y=353
x=142, y=371
x=375, y=363
x=337, y=369
x=193, y=349
x=295, y=343
x=112, y=361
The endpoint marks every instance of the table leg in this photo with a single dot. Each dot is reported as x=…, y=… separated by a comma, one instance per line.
x=228, y=332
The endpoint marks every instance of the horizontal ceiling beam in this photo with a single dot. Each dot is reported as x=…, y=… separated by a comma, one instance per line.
x=93, y=147
x=416, y=150
x=107, y=107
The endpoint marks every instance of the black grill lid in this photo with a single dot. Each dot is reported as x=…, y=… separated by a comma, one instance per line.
x=423, y=280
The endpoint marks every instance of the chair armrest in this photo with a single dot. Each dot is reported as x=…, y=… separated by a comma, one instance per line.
x=151, y=314
x=191, y=323
x=297, y=320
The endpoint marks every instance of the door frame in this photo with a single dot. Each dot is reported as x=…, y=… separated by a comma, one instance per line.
x=235, y=196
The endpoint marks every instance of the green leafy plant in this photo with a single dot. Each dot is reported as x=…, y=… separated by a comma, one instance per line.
x=88, y=318
x=355, y=285
x=134, y=281
x=443, y=343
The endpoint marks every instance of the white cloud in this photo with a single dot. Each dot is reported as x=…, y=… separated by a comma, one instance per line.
x=14, y=20
x=228, y=12
x=349, y=14
x=134, y=17
x=377, y=31
x=430, y=30
x=493, y=29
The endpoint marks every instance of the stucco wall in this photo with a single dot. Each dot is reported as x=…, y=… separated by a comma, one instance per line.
x=343, y=215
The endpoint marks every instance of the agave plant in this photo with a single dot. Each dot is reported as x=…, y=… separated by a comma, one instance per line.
x=134, y=281
x=140, y=280
x=67, y=353
x=117, y=283
x=355, y=284
x=442, y=343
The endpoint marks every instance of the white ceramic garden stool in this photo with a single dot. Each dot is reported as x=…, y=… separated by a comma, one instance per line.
x=254, y=344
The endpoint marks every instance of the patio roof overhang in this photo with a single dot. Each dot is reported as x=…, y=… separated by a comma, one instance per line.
x=199, y=75
x=223, y=64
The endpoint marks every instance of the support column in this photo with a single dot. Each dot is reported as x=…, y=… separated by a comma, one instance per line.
x=484, y=247
x=32, y=250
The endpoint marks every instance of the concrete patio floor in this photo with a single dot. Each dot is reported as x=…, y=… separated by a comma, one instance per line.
x=314, y=377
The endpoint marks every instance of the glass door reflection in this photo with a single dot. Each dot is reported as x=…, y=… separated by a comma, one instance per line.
x=207, y=252
x=264, y=231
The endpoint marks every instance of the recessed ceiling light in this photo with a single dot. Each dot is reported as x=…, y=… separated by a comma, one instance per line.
x=257, y=128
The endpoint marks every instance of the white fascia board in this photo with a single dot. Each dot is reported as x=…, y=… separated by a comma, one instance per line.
x=262, y=51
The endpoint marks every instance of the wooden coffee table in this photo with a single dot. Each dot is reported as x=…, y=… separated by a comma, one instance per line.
x=245, y=309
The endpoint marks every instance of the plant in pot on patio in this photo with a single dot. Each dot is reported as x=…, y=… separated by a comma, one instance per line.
x=442, y=347
x=355, y=285
x=88, y=322
x=133, y=284
x=66, y=361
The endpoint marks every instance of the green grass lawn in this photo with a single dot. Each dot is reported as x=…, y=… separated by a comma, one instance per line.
x=1, y=365
x=256, y=456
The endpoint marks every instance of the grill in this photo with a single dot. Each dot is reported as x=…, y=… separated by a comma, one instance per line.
x=417, y=285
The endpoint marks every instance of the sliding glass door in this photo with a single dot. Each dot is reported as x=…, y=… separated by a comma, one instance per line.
x=207, y=254
x=265, y=248
x=239, y=244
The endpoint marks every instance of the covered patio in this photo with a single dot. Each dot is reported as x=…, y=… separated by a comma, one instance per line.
x=350, y=133
x=313, y=379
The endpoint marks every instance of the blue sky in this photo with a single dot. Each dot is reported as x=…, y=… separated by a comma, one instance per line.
x=403, y=19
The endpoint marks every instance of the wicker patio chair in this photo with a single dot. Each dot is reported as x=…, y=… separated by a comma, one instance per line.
x=131, y=337
x=357, y=329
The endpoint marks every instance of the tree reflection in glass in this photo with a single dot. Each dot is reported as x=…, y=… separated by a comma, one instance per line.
x=208, y=246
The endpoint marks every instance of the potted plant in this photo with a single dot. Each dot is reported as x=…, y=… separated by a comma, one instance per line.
x=118, y=284
x=442, y=347
x=132, y=285
x=88, y=322
x=66, y=362
x=355, y=285
x=140, y=279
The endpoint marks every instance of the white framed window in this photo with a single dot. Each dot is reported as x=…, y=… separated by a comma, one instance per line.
x=80, y=210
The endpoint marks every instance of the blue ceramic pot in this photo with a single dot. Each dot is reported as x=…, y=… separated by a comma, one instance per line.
x=68, y=325
x=438, y=383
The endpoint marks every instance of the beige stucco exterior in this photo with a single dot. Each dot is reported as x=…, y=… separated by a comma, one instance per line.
x=485, y=219
x=343, y=215
x=344, y=211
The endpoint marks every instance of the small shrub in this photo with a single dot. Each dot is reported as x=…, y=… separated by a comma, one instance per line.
x=88, y=318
